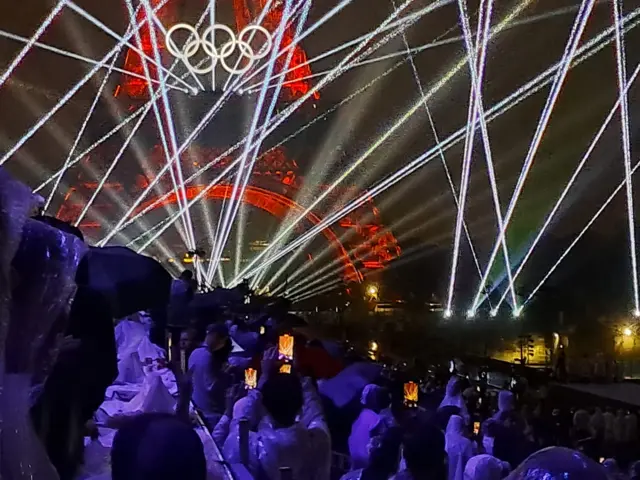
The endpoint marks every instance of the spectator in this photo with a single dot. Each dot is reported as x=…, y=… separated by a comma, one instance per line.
x=188, y=342
x=423, y=449
x=458, y=447
x=506, y=405
x=157, y=447
x=384, y=456
x=581, y=426
x=183, y=284
x=182, y=292
x=443, y=415
x=304, y=445
x=207, y=365
x=237, y=409
x=453, y=397
x=374, y=400
x=505, y=443
x=485, y=467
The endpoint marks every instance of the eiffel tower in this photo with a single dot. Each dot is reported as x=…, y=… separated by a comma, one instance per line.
x=296, y=83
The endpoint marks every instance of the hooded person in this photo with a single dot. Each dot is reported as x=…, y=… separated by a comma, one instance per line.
x=558, y=463
x=458, y=447
x=374, y=399
x=453, y=397
x=157, y=447
x=506, y=406
x=485, y=467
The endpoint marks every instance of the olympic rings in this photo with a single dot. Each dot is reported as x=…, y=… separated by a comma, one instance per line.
x=222, y=53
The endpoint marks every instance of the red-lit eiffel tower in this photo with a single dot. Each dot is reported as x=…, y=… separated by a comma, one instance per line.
x=360, y=240
x=295, y=85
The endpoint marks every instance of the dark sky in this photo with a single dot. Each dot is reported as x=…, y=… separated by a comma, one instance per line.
x=419, y=209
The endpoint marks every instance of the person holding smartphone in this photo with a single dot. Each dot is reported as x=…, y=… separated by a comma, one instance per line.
x=292, y=434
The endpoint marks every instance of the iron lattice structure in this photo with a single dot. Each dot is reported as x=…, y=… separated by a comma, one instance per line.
x=360, y=241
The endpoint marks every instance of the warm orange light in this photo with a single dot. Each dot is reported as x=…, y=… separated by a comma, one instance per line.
x=251, y=378
x=285, y=347
x=286, y=368
x=411, y=392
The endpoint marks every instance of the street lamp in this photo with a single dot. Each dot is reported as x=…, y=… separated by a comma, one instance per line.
x=627, y=332
x=372, y=291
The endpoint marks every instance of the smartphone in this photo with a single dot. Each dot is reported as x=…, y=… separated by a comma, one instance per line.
x=286, y=368
x=262, y=330
x=411, y=394
x=285, y=348
x=476, y=428
x=250, y=378
x=601, y=460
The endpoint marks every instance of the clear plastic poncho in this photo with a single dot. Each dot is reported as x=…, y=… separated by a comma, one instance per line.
x=558, y=463
x=38, y=264
x=458, y=447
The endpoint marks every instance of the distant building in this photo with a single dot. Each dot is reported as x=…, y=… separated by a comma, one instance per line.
x=258, y=245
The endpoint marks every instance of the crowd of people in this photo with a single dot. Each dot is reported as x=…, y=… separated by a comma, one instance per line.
x=460, y=431
x=312, y=413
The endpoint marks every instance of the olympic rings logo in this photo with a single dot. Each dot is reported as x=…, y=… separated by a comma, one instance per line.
x=221, y=54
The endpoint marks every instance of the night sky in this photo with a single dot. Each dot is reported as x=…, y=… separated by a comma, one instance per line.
x=420, y=209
